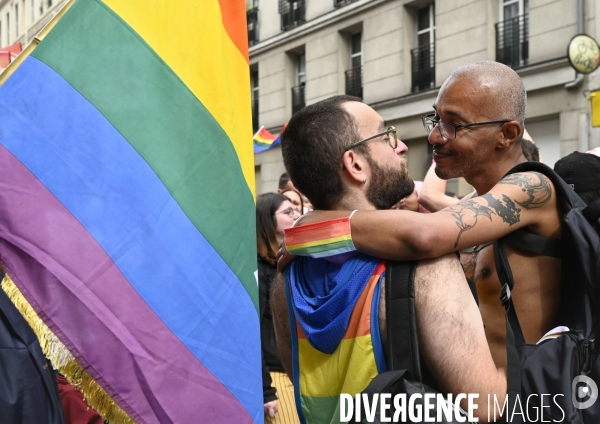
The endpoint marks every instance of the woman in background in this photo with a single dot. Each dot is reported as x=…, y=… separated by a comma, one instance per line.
x=274, y=213
x=295, y=197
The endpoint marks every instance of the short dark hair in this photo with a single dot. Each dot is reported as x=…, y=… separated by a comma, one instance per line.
x=283, y=180
x=530, y=150
x=313, y=145
x=299, y=195
x=266, y=225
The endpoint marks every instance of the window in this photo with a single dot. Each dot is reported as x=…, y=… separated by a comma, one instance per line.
x=252, y=20
x=49, y=3
x=354, y=74
x=31, y=11
x=340, y=3
x=512, y=33
x=423, y=56
x=293, y=13
x=298, y=98
x=8, y=28
x=16, y=20
x=254, y=86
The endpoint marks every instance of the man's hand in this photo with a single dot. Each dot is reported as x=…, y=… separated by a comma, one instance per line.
x=284, y=258
x=271, y=408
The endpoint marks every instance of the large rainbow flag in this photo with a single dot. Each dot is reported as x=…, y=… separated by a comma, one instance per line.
x=127, y=207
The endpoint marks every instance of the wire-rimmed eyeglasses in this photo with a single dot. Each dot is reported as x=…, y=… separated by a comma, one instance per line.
x=392, y=139
x=447, y=129
x=290, y=212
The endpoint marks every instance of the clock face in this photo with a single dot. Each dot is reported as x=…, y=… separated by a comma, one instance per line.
x=583, y=53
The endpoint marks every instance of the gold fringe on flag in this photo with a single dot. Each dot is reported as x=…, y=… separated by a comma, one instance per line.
x=65, y=362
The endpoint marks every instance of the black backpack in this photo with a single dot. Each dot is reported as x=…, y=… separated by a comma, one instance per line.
x=408, y=373
x=565, y=368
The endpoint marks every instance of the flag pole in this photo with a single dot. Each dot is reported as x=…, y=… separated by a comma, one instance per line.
x=36, y=40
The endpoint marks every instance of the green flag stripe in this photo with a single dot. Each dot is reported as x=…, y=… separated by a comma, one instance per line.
x=97, y=53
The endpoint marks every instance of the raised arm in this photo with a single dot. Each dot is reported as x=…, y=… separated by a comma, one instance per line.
x=433, y=193
x=451, y=334
x=518, y=200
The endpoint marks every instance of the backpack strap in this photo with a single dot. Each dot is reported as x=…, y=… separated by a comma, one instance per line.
x=403, y=345
x=514, y=334
x=541, y=245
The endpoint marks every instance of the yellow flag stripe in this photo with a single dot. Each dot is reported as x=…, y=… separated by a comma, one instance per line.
x=196, y=41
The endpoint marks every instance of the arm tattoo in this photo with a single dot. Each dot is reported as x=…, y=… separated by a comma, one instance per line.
x=460, y=212
x=533, y=184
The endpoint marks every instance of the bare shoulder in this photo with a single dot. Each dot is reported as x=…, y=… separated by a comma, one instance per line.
x=518, y=200
x=529, y=190
x=431, y=270
x=433, y=275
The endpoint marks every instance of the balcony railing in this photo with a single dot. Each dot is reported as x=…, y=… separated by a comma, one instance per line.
x=252, y=18
x=512, y=41
x=423, y=67
x=298, y=99
x=340, y=3
x=254, y=115
x=354, y=82
x=293, y=13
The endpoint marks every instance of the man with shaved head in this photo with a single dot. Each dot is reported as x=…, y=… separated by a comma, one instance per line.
x=476, y=128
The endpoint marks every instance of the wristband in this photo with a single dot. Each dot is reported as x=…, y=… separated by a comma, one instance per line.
x=321, y=239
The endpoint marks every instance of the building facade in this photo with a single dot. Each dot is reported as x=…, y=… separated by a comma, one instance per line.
x=22, y=20
x=395, y=54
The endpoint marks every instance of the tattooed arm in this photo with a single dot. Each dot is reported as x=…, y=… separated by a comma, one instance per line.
x=519, y=200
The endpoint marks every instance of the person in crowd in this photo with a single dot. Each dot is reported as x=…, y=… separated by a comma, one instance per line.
x=530, y=150
x=411, y=202
x=274, y=213
x=295, y=198
x=285, y=183
x=582, y=172
x=358, y=163
x=479, y=140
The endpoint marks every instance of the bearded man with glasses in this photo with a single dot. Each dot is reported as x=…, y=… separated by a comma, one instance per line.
x=343, y=155
x=476, y=129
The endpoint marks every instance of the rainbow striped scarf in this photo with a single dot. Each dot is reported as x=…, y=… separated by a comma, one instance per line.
x=336, y=346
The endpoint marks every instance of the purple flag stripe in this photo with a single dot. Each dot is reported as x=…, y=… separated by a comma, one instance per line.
x=128, y=344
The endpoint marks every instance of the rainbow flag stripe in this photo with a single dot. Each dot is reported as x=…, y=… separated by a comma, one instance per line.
x=127, y=203
x=321, y=239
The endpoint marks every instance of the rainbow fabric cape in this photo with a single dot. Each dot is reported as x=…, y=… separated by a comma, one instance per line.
x=127, y=208
x=264, y=140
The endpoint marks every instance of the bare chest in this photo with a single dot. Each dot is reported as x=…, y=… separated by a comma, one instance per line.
x=536, y=295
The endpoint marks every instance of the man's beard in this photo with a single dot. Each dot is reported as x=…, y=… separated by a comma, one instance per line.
x=387, y=186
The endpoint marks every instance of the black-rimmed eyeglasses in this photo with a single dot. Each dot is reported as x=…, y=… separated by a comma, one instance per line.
x=448, y=130
x=392, y=139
